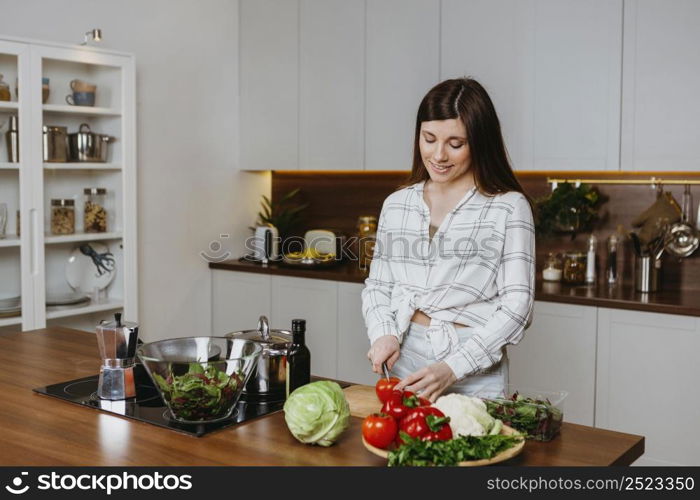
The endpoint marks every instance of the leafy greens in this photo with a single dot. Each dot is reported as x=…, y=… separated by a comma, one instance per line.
x=200, y=394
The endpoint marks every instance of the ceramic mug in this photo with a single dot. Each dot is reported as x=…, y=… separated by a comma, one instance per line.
x=81, y=86
x=81, y=99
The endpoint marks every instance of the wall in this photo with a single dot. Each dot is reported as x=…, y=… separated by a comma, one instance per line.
x=190, y=189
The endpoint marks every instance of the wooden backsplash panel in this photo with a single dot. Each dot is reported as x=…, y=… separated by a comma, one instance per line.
x=337, y=199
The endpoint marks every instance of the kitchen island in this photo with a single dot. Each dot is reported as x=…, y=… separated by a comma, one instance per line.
x=42, y=431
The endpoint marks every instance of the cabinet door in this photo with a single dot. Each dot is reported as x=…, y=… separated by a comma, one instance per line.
x=332, y=85
x=353, y=343
x=403, y=55
x=660, y=108
x=493, y=42
x=552, y=69
x=238, y=300
x=269, y=84
x=577, y=71
x=316, y=302
x=558, y=353
x=647, y=381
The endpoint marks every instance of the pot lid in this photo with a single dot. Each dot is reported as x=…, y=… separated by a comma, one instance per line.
x=264, y=335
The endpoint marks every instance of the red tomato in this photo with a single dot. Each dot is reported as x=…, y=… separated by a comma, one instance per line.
x=400, y=402
x=426, y=423
x=384, y=387
x=379, y=430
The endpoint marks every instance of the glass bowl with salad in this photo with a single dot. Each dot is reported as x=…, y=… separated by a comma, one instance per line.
x=200, y=378
x=536, y=413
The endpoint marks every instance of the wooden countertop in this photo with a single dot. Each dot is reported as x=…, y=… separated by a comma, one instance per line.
x=622, y=296
x=43, y=431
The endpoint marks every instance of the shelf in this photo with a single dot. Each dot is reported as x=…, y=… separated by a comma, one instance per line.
x=80, y=110
x=9, y=166
x=9, y=242
x=14, y=320
x=82, y=166
x=8, y=105
x=69, y=238
x=66, y=311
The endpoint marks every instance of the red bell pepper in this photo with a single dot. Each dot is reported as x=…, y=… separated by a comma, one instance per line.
x=426, y=423
x=400, y=402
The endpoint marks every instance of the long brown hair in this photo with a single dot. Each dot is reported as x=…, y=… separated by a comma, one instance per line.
x=466, y=99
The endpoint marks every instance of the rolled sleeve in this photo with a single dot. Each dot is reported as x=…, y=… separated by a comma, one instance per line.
x=515, y=281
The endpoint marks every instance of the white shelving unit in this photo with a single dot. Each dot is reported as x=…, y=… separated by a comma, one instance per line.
x=34, y=263
x=82, y=166
x=9, y=242
x=80, y=110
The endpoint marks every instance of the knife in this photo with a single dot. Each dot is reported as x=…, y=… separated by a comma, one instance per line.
x=386, y=371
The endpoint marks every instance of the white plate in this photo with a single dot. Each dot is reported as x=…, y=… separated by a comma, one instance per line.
x=65, y=298
x=82, y=274
x=10, y=304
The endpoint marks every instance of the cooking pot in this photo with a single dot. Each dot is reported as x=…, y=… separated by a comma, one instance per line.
x=87, y=146
x=269, y=380
x=55, y=143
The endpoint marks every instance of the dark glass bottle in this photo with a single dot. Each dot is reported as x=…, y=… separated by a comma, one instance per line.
x=298, y=358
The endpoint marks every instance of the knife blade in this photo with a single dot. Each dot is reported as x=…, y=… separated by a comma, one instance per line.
x=386, y=371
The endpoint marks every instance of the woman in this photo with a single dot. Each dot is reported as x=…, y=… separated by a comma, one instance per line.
x=453, y=274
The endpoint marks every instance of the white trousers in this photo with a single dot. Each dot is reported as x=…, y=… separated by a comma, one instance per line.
x=416, y=353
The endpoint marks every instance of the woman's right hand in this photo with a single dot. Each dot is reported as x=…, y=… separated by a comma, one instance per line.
x=385, y=349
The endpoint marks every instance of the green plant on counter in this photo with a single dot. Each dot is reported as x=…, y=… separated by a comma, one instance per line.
x=283, y=214
x=568, y=209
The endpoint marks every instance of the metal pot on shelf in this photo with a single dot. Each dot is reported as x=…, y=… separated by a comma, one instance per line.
x=87, y=146
x=269, y=380
x=55, y=142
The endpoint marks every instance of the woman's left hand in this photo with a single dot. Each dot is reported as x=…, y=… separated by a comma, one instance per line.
x=430, y=381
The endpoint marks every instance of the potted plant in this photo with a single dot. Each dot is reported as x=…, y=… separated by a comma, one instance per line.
x=283, y=214
x=567, y=209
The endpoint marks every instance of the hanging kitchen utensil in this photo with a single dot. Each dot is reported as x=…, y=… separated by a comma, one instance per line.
x=682, y=239
x=665, y=207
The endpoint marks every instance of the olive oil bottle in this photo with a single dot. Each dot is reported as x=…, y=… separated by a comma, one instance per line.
x=298, y=358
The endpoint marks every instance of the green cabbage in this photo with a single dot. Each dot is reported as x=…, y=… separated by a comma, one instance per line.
x=317, y=413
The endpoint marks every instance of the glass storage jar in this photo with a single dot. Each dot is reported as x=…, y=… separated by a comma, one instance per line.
x=5, y=94
x=95, y=212
x=574, y=268
x=366, y=225
x=62, y=216
x=552, y=267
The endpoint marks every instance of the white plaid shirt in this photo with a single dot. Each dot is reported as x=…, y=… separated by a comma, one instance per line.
x=478, y=270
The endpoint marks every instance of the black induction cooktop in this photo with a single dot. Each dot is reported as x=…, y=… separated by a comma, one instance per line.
x=148, y=406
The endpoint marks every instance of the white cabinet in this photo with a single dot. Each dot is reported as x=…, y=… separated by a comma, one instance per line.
x=335, y=329
x=316, y=301
x=353, y=343
x=332, y=68
x=558, y=352
x=551, y=67
x=647, y=381
x=577, y=72
x=269, y=84
x=660, y=128
x=403, y=57
x=238, y=300
x=493, y=42
x=30, y=185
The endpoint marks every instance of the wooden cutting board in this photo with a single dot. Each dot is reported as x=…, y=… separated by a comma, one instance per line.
x=363, y=400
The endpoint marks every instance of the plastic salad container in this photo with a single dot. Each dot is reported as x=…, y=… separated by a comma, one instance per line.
x=537, y=413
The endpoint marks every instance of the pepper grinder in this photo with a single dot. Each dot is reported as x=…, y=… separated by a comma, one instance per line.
x=117, y=344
